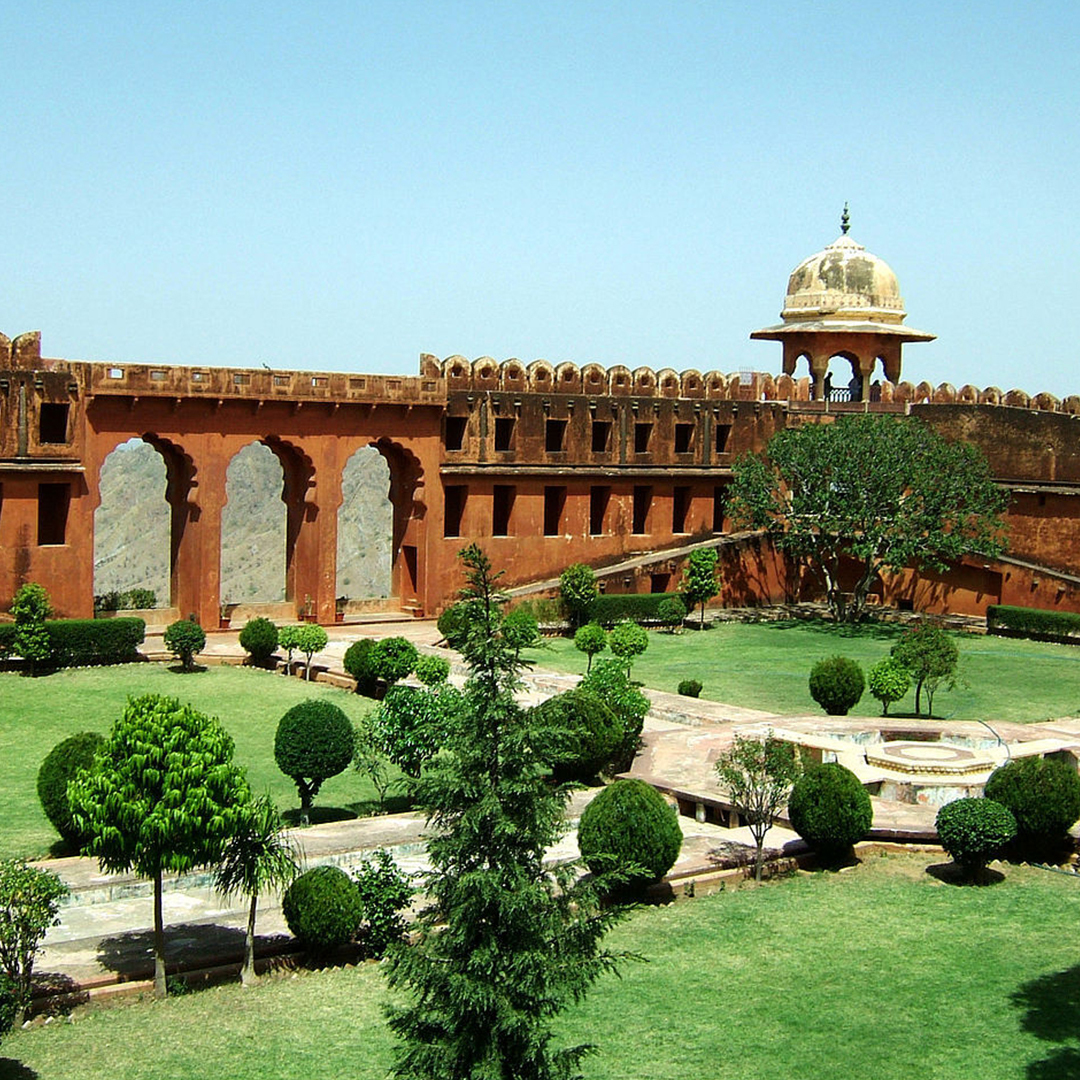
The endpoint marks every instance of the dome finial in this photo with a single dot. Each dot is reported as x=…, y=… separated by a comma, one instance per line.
x=845, y=220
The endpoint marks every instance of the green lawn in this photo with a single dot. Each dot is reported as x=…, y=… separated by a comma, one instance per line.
x=35, y=714
x=767, y=666
x=880, y=972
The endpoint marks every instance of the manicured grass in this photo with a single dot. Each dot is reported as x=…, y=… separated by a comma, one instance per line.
x=35, y=714
x=883, y=971
x=767, y=666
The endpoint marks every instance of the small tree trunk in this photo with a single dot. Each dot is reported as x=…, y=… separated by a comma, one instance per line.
x=305, y=805
x=918, y=696
x=702, y=627
x=160, y=989
x=247, y=972
x=759, y=859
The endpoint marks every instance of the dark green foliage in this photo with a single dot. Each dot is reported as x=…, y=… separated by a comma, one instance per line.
x=627, y=641
x=163, y=795
x=506, y=942
x=411, y=724
x=638, y=607
x=431, y=670
x=578, y=590
x=184, y=638
x=699, y=583
x=577, y=734
x=973, y=831
x=452, y=624
x=259, y=639
x=1043, y=796
x=314, y=741
x=385, y=892
x=520, y=629
x=30, y=608
x=836, y=684
x=889, y=681
x=830, y=809
x=1063, y=626
x=309, y=639
x=7, y=639
x=609, y=682
x=884, y=491
x=930, y=656
x=9, y=1005
x=322, y=909
x=128, y=600
x=60, y=767
x=357, y=663
x=671, y=612
x=629, y=828
x=392, y=659
x=590, y=639
x=690, y=688
x=82, y=642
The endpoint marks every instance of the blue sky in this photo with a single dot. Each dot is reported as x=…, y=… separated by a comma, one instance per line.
x=343, y=186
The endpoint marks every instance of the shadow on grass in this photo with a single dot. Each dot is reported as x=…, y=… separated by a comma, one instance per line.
x=951, y=873
x=1051, y=1012
x=320, y=815
x=10, y=1069
x=875, y=631
x=179, y=669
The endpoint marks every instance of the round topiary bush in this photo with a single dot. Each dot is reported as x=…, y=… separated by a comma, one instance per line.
x=973, y=831
x=690, y=688
x=322, y=909
x=628, y=827
x=671, y=612
x=259, y=639
x=1042, y=795
x=577, y=734
x=830, y=809
x=392, y=659
x=57, y=770
x=836, y=684
x=431, y=670
x=184, y=638
x=453, y=624
x=357, y=663
x=889, y=681
x=314, y=741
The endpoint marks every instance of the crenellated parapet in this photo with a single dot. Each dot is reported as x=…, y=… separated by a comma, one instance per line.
x=542, y=377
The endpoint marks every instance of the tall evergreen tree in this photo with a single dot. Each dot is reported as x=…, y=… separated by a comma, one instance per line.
x=506, y=943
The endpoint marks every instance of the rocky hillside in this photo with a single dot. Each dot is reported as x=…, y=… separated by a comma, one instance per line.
x=131, y=528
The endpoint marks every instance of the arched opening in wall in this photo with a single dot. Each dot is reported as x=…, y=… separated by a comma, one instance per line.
x=253, y=528
x=842, y=379
x=365, y=533
x=132, y=524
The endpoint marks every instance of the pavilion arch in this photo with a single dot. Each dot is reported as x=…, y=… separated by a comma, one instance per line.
x=843, y=373
x=134, y=486
x=365, y=527
x=409, y=510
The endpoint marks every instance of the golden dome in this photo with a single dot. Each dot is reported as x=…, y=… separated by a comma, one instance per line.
x=843, y=282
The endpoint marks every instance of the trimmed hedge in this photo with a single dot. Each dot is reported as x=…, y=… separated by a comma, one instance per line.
x=638, y=607
x=973, y=831
x=577, y=734
x=830, y=809
x=60, y=767
x=323, y=909
x=79, y=642
x=1043, y=795
x=259, y=639
x=1007, y=621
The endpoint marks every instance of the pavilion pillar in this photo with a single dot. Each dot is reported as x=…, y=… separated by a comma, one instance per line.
x=195, y=541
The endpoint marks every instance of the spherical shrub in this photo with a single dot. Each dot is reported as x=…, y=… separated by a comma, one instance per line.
x=889, y=681
x=830, y=809
x=690, y=688
x=1043, y=795
x=671, y=612
x=973, y=831
x=184, y=638
x=629, y=828
x=431, y=670
x=314, y=741
x=577, y=734
x=520, y=630
x=836, y=684
x=590, y=639
x=259, y=639
x=392, y=659
x=453, y=624
x=323, y=909
x=628, y=640
x=57, y=770
x=609, y=682
x=357, y=663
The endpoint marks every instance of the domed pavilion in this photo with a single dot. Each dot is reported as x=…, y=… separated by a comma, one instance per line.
x=845, y=302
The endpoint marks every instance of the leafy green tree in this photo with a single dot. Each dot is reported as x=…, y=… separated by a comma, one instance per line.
x=609, y=682
x=314, y=741
x=628, y=640
x=392, y=659
x=671, y=613
x=385, y=891
x=184, y=638
x=578, y=590
x=884, y=491
x=432, y=670
x=29, y=905
x=370, y=760
x=888, y=681
x=758, y=775
x=257, y=857
x=288, y=639
x=410, y=724
x=506, y=942
x=699, y=584
x=590, y=639
x=310, y=638
x=163, y=795
x=929, y=654
x=30, y=608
